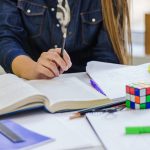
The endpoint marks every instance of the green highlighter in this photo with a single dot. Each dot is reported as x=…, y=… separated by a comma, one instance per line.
x=137, y=130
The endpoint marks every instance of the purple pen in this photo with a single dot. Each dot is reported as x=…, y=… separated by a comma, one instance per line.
x=95, y=86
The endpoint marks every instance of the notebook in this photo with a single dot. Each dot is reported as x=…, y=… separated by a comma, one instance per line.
x=110, y=129
x=114, y=79
x=58, y=94
x=30, y=138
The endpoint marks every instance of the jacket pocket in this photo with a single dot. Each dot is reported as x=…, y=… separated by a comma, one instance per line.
x=91, y=24
x=33, y=16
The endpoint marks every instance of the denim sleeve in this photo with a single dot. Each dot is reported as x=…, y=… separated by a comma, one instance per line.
x=12, y=34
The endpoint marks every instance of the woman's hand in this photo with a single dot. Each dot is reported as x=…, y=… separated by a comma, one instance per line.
x=49, y=65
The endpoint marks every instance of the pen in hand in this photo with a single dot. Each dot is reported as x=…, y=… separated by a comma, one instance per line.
x=63, y=45
x=63, y=16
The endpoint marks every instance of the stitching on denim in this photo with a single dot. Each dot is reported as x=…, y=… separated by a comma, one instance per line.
x=31, y=14
x=44, y=6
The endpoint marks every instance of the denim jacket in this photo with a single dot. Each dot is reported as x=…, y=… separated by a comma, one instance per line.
x=30, y=27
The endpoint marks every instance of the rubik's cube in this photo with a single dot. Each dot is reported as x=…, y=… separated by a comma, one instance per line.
x=138, y=96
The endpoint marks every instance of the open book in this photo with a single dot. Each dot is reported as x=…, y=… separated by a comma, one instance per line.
x=59, y=94
x=113, y=78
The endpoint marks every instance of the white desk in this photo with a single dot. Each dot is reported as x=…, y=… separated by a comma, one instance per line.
x=43, y=122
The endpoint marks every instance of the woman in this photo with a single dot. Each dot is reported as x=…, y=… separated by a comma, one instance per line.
x=30, y=36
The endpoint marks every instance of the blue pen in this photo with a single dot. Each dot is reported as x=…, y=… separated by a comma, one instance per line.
x=95, y=86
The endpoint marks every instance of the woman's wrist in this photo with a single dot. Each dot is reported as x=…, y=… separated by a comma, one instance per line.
x=23, y=66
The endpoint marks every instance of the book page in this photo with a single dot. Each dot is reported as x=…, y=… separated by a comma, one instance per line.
x=66, y=89
x=14, y=90
x=113, y=82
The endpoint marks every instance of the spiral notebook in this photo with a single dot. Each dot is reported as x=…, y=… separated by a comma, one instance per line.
x=110, y=129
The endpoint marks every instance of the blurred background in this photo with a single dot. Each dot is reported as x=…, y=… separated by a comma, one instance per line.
x=140, y=26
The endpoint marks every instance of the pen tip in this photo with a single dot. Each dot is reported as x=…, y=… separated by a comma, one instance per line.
x=76, y=115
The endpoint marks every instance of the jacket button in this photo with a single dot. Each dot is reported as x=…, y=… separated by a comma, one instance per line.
x=58, y=25
x=55, y=46
x=52, y=9
x=93, y=19
x=28, y=11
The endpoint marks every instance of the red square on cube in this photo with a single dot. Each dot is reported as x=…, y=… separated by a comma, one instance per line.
x=132, y=91
x=127, y=89
x=148, y=91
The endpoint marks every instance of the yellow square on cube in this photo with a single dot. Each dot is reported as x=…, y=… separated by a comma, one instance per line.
x=149, y=68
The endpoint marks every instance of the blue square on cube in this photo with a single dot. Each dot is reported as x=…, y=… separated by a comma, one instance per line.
x=147, y=105
x=132, y=105
x=137, y=92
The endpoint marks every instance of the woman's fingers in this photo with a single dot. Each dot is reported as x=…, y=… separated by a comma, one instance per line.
x=66, y=57
x=64, y=63
x=49, y=65
x=43, y=73
x=55, y=57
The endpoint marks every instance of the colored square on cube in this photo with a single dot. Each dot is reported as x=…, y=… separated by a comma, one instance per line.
x=132, y=105
x=142, y=99
x=143, y=106
x=132, y=98
x=137, y=92
x=137, y=106
x=148, y=91
x=147, y=98
x=127, y=89
x=128, y=97
x=137, y=99
x=132, y=92
x=147, y=105
x=142, y=92
x=127, y=103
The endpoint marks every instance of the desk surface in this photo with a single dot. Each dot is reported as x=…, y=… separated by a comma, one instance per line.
x=46, y=123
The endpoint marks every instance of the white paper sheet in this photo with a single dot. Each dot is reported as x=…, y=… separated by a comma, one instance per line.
x=96, y=66
x=111, y=129
x=113, y=81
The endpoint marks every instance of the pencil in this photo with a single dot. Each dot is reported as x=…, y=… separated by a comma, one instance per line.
x=62, y=48
x=96, y=109
x=63, y=45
